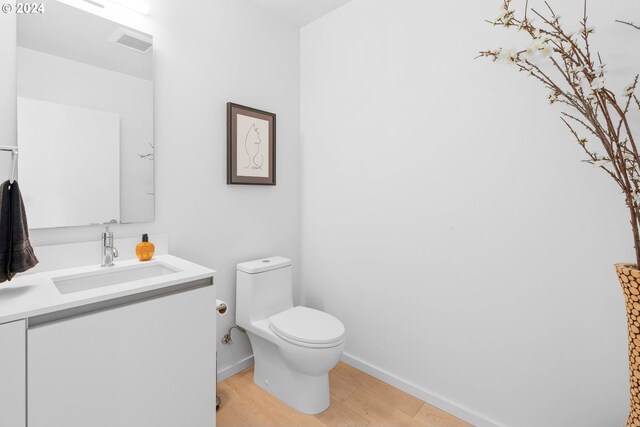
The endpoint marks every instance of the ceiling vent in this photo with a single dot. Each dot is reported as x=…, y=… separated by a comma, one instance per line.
x=131, y=40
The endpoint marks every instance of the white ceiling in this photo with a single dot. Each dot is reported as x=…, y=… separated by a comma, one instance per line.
x=300, y=12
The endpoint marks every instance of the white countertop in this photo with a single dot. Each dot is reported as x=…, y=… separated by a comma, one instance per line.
x=35, y=294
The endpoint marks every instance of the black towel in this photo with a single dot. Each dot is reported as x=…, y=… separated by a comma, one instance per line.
x=16, y=253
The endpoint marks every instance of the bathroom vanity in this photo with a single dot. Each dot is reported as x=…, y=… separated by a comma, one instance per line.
x=128, y=345
x=131, y=345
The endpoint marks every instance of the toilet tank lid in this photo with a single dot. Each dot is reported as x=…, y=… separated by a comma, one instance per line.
x=264, y=264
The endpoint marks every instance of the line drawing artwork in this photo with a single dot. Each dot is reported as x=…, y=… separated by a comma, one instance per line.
x=252, y=143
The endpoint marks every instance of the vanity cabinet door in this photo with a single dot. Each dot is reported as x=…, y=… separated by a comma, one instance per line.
x=147, y=364
x=13, y=374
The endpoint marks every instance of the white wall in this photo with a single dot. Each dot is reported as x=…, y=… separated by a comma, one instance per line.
x=8, y=112
x=207, y=53
x=447, y=220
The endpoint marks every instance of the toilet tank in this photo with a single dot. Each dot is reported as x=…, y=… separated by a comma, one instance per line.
x=263, y=288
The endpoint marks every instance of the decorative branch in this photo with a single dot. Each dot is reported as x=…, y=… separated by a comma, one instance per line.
x=564, y=64
x=631, y=24
x=148, y=156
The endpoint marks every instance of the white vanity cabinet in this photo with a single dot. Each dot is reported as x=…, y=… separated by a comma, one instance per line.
x=12, y=374
x=125, y=363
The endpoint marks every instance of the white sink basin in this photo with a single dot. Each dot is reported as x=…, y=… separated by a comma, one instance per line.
x=110, y=276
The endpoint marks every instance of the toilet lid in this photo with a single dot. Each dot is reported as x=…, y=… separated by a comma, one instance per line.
x=306, y=325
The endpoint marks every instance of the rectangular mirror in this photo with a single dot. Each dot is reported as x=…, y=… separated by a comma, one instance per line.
x=85, y=119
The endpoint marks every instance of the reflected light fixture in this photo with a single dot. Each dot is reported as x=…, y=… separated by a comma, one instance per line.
x=94, y=3
x=137, y=5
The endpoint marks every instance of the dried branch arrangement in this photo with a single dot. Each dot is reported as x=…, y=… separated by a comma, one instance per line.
x=631, y=24
x=564, y=63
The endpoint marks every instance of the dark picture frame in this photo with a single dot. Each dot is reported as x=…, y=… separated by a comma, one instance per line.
x=251, y=146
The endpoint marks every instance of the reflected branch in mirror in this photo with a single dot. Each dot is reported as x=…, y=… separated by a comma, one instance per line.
x=148, y=156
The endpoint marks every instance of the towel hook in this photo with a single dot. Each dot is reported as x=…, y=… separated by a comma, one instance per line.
x=14, y=160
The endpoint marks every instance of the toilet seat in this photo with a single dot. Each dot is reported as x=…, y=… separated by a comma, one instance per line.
x=307, y=327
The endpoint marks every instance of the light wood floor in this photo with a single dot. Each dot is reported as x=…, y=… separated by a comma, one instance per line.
x=357, y=399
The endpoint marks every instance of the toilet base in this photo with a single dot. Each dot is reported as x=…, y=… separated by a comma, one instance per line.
x=304, y=393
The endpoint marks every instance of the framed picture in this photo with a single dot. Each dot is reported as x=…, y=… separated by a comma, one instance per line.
x=251, y=146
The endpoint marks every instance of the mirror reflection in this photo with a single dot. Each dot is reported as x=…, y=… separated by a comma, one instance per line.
x=85, y=119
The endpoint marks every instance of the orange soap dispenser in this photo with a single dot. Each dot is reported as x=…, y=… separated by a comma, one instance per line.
x=145, y=249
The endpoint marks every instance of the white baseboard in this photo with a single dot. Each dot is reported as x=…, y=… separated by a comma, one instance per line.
x=230, y=371
x=420, y=393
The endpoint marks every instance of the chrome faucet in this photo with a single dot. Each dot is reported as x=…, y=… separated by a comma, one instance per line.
x=109, y=252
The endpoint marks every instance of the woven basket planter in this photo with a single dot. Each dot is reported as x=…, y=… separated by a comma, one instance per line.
x=629, y=277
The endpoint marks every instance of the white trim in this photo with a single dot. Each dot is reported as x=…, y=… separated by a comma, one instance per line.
x=419, y=392
x=230, y=371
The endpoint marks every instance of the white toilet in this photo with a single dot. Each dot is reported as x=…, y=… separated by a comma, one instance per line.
x=294, y=347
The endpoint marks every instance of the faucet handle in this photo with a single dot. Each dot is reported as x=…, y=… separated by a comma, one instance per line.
x=107, y=233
